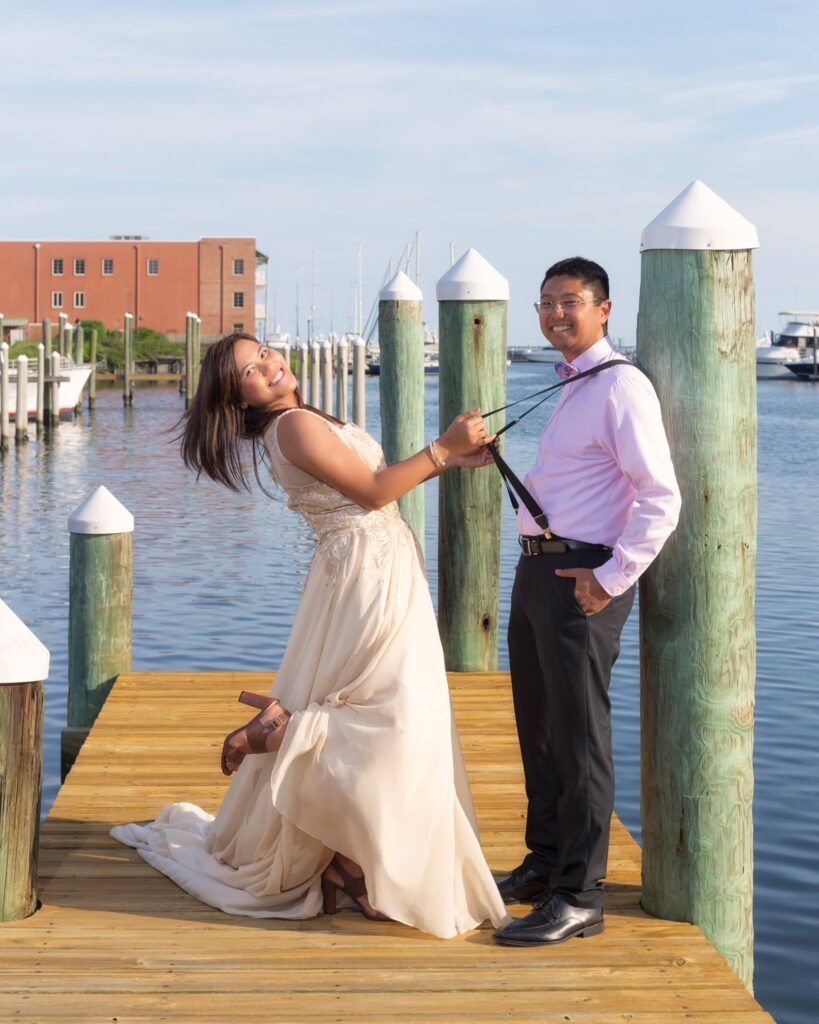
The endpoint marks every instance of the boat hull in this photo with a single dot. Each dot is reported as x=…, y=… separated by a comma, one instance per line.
x=68, y=395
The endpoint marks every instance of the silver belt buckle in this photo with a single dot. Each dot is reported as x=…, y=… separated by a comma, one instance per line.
x=529, y=546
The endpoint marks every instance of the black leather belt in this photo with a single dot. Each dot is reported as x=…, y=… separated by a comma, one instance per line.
x=556, y=545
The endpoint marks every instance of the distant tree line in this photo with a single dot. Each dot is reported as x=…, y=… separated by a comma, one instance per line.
x=148, y=344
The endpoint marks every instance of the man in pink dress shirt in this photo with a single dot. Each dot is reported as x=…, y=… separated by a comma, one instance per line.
x=604, y=478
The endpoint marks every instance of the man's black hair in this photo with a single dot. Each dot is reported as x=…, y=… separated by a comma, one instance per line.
x=590, y=273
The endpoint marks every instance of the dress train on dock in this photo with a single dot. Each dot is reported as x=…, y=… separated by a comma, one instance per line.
x=370, y=765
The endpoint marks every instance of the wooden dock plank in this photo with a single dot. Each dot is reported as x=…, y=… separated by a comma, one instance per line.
x=114, y=940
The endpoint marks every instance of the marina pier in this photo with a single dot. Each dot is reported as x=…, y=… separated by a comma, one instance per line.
x=115, y=940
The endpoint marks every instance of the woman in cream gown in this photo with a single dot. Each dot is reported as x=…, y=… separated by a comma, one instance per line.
x=370, y=765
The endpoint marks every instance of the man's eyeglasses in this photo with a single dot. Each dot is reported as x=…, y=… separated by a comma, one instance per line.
x=567, y=305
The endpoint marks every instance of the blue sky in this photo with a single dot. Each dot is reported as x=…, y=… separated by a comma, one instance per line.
x=530, y=131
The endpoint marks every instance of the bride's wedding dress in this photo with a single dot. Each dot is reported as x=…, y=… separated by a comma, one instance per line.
x=370, y=765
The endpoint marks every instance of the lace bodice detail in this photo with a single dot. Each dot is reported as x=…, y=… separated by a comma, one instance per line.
x=325, y=509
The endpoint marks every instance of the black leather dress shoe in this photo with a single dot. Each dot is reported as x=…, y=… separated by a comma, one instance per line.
x=523, y=885
x=553, y=920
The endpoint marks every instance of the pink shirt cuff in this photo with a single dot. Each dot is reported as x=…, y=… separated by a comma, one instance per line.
x=612, y=579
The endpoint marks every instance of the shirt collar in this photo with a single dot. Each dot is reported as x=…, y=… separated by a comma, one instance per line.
x=597, y=353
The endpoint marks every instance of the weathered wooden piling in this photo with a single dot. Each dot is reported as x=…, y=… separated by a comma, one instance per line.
x=47, y=343
x=5, y=419
x=128, y=360
x=39, y=415
x=189, y=371
x=695, y=339
x=315, y=375
x=79, y=357
x=197, y=350
x=23, y=668
x=99, y=611
x=303, y=370
x=62, y=320
x=69, y=342
x=473, y=299
x=401, y=384
x=342, y=356
x=326, y=377
x=21, y=414
x=54, y=391
x=92, y=359
x=359, y=375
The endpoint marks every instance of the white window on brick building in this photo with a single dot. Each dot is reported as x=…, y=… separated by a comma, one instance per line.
x=238, y=267
x=238, y=300
x=56, y=266
x=107, y=267
x=79, y=268
x=56, y=300
x=153, y=267
x=79, y=300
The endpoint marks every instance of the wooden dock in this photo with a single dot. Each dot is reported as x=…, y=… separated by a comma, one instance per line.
x=116, y=941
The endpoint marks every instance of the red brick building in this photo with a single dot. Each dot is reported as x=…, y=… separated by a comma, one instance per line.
x=221, y=279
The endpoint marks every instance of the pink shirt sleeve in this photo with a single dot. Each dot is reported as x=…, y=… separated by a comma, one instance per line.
x=634, y=435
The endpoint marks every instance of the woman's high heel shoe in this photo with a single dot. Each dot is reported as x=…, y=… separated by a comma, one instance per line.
x=258, y=733
x=349, y=884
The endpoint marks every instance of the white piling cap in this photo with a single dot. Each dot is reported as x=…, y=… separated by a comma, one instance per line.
x=472, y=279
x=101, y=513
x=699, y=219
x=400, y=289
x=23, y=659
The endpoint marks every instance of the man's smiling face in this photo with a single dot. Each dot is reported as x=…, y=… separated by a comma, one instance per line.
x=571, y=317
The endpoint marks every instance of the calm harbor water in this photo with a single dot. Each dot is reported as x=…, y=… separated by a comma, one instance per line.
x=217, y=578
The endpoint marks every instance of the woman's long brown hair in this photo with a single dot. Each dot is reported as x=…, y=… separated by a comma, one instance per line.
x=216, y=429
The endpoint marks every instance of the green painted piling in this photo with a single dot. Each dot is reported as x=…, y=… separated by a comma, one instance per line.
x=342, y=369
x=79, y=357
x=128, y=360
x=21, y=412
x=197, y=351
x=189, y=371
x=695, y=339
x=99, y=610
x=23, y=667
x=359, y=381
x=62, y=320
x=47, y=344
x=473, y=299
x=39, y=415
x=53, y=391
x=315, y=375
x=5, y=411
x=326, y=377
x=92, y=359
x=401, y=384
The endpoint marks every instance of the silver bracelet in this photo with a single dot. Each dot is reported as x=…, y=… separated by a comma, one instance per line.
x=435, y=455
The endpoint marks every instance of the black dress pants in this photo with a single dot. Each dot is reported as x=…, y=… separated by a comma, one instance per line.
x=560, y=662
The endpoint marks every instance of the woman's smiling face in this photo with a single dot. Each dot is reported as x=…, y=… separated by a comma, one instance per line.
x=265, y=380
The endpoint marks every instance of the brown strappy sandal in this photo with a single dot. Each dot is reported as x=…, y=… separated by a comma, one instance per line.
x=257, y=733
x=354, y=887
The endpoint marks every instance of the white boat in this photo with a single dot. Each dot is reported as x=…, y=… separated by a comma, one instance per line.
x=542, y=354
x=793, y=346
x=76, y=375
